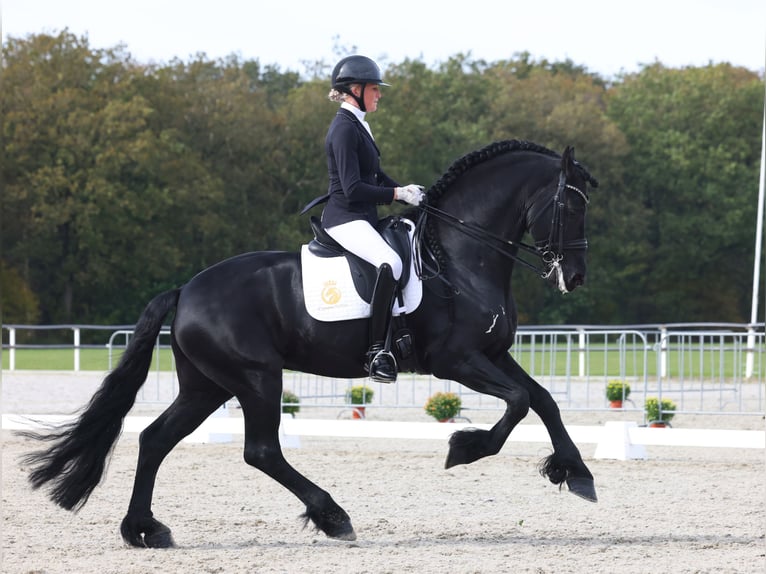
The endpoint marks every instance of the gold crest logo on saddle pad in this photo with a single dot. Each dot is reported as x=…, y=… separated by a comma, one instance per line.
x=331, y=295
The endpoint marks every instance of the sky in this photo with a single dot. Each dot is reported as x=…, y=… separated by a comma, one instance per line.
x=608, y=37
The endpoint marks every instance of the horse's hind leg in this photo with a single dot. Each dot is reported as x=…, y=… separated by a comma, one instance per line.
x=197, y=398
x=262, y=413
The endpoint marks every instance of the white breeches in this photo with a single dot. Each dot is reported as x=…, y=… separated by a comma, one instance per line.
x=361, y=239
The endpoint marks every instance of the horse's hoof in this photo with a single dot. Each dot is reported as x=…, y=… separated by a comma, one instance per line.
x=350, y=536
x=146, y=533
x=583, y=487
x=467, y=446
x=335, y=524
x=343, y=531
x=159, y=539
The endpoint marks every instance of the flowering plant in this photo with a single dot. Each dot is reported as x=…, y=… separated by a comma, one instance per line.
x=290, y=402
x=659, y=412
x=617, y=390
x=359, y=395
x=443, y=406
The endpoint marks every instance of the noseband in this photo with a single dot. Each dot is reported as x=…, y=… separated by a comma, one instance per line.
x=550, y=251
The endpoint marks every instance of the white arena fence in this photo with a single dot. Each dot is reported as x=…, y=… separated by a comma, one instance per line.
x=709, y=368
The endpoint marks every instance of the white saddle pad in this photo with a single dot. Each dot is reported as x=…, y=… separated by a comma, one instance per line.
x=330, y=295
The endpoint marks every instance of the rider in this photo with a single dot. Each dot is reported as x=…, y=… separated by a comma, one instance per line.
x=357, y=186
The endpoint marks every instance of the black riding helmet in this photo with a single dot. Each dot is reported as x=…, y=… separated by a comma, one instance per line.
x=356, y=70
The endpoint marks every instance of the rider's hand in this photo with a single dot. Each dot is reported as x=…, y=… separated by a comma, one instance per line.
x=412, y=194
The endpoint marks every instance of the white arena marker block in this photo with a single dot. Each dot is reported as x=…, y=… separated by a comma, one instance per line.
x=615, y=442
x=288, y=440
x=214, y=429
x=220, y=427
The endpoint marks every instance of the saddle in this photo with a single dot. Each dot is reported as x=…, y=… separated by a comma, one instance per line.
x=394, y=231
x=338, y=285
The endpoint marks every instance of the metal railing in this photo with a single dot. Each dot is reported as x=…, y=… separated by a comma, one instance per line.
x=704, y=368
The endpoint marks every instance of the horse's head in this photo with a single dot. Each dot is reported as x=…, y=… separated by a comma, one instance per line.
x=556, y=220
x=545, y=192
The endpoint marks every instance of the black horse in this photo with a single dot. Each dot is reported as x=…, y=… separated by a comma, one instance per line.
x=239, y=323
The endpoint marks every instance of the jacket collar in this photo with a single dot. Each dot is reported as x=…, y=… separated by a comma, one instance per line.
x=348, y=113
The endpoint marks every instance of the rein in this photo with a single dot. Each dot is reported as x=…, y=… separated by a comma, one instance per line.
x=550, y=251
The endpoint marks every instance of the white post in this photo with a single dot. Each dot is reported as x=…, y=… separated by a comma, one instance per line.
x=76, y=349
x=581, y=346
x=11, y=349
x=757, y=262
x=750, y=353
x=663, y=352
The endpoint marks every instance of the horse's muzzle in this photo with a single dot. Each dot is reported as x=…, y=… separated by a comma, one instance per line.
x=576, y=280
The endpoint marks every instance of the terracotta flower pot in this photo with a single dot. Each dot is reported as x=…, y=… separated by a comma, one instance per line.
x=615, y=404
x=358, y=412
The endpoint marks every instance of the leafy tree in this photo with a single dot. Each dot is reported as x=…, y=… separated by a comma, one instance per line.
x=695, y=139
x=17, y=301
x=229, y=116
x=56, y=93
x=92, y=186
x=430, y=118
x=308, y=114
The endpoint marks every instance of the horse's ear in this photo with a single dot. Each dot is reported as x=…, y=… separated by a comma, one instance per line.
x=568, y=160
x=570, y=167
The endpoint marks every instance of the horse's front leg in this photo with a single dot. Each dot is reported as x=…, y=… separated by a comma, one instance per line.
x=565, y=464
x=478, y=373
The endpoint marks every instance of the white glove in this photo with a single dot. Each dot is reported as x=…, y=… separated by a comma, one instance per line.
x=412, y=194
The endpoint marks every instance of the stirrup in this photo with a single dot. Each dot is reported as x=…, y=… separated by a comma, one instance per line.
x=382, y=367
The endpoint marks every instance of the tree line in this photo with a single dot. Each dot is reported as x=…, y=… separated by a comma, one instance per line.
x=121, y=179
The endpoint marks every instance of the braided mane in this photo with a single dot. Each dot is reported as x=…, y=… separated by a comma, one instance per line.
x=474, y=158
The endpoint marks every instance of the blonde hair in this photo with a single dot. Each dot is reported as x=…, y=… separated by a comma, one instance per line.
x=336, y=95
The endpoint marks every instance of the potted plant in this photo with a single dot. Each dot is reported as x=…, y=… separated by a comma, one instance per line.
x=290, y=403
x=616, y=392
x=659, y=414
x=443, y=406
x=359, y=395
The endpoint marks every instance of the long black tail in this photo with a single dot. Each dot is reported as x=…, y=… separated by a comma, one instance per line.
x=74, y=463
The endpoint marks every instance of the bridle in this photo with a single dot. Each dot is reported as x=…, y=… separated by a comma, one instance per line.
x=550, y=251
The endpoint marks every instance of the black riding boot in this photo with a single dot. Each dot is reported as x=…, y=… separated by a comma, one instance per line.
x=380, y=363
